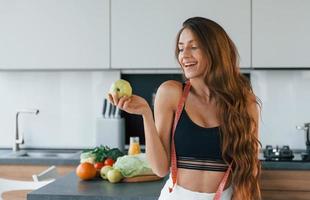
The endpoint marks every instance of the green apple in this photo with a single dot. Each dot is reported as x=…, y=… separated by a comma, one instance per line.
x=122, y=88
x=104, y=171
x=114, y=176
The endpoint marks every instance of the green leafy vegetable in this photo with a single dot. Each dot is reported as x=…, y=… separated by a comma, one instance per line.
x=87, y=156
x=101, y=153
x=133, y=165
x=114, y=153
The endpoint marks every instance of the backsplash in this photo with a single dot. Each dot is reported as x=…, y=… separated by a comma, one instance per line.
x=285, y=95
x=70, y=101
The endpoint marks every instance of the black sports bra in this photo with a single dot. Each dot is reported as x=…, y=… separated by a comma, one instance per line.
x=197, y=147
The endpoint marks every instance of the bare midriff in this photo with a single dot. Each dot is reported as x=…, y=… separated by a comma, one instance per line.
x=199, y=180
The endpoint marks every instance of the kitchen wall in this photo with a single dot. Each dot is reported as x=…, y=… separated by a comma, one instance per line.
x=69, y=103
x=60, y=56
x=285, y=96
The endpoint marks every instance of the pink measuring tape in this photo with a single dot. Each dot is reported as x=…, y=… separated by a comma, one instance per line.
x=174, y=169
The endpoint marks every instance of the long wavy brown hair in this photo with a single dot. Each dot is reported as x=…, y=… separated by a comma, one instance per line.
x=233, y=94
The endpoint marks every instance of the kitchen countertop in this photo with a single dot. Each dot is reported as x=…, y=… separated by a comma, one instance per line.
x=5, y=158
x=296, y=164
x=40, y=161
x=71, y=187
x=285, y=165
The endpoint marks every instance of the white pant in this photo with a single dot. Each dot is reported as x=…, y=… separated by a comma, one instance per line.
x=180, y=193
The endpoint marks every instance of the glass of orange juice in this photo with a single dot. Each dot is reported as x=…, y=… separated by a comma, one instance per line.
x=134, y=146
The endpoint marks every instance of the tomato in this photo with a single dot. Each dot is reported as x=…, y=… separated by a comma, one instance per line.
x=109, y=162
x=86, y=171
x=99, y=165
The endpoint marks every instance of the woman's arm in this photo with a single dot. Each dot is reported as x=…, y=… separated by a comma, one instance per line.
x=157, y=135
x=166, y=100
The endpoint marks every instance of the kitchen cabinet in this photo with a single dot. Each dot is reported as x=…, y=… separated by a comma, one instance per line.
x=281, y=34
x=143, y=32
x=24, y=173
x=16, y=195
x=285, y=184
x=43, y=34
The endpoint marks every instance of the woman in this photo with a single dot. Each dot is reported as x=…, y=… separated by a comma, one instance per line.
x=205, y=131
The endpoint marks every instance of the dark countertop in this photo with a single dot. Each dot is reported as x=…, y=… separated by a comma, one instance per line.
x=71, y=187
x=285, y=165
x=295, y=164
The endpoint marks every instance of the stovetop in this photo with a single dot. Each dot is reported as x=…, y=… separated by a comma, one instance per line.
x=284, y=154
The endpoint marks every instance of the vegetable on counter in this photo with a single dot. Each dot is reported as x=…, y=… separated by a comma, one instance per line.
x=98, y=165
x=109, y=162
x=93, y=160
x=100, y=154
x=112, y=164
x=133, y=165
x=87, y=157
x=126, y=167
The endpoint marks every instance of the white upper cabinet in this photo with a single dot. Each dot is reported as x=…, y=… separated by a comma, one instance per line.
x=143, y=32
x=54, y=34
x=281, y=33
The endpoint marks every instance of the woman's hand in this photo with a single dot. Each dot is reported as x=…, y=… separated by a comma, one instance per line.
x=133, y=104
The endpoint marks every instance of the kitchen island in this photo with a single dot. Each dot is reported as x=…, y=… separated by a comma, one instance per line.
x=23, y=164
x=71, y=187
x=291, y=178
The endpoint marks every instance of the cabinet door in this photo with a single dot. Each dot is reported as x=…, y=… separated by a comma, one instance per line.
x=144, y=31
x=285, y=184
x=57, y=34
x=281, y=30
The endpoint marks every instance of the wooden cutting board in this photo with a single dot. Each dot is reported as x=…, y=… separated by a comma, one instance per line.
x=144, y=178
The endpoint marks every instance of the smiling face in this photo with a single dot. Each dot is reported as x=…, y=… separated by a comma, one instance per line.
x=191, y=56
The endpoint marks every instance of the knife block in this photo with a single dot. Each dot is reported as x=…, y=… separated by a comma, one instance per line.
x=111, y=132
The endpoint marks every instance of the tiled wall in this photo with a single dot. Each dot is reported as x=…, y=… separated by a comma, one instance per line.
x=70, y=102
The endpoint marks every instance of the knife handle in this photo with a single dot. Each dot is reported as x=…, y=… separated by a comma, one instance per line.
x=107, y=113
x=104, y=107
x=117, y=113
